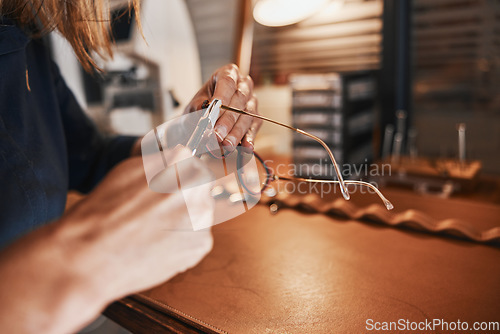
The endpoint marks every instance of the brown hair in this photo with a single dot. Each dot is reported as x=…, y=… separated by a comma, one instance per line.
x=84, y=23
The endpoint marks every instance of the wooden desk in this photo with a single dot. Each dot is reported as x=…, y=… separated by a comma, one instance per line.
x=298, y=273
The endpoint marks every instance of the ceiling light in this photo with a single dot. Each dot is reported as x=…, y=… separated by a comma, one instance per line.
x=276, y=13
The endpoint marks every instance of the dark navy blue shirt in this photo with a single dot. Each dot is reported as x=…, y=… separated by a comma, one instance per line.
x=47, y=144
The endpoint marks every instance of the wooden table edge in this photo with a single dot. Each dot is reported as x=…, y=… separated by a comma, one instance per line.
x=137, y=317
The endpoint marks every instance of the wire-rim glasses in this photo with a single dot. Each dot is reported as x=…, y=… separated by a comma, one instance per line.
x=270, y=176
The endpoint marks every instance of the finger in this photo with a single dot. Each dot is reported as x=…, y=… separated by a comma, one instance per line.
x=248, y=138
x=243, y=125
x=237, y=132
x=228, y=119
x=226, y=83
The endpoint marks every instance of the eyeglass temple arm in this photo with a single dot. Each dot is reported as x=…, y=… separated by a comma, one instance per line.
x=387, y=203
x=341, y=181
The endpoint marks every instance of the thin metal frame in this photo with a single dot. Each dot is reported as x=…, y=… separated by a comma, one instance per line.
x=270, y=177
x=340, y=180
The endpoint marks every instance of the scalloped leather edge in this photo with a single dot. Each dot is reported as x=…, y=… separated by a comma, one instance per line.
x=413, y=219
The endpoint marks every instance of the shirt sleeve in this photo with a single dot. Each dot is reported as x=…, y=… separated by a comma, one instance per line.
x=90, y=154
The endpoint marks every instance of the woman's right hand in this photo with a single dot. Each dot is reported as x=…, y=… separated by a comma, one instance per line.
x=139, y=234
x=120, y=239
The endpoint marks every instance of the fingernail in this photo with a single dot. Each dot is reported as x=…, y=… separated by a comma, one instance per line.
x=221, y=132
x=219, y=138
x=229, y=143
x=248, y=141
x=247, y=148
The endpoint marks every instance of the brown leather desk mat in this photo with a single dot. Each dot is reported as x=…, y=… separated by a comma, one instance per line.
x=475, y=221
x=297, y=273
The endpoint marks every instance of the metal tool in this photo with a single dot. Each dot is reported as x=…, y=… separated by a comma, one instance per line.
x=206, y=121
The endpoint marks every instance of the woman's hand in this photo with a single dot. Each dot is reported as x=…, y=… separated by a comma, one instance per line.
x=136, y=228
x=228, y=85
x=122, y=238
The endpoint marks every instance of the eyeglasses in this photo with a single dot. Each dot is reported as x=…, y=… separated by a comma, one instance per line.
x=270, y=176
x=183, y=154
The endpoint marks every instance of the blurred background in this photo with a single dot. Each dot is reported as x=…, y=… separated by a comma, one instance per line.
x=414, y=83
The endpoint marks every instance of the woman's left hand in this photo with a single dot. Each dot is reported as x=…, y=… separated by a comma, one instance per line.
x=235, y=90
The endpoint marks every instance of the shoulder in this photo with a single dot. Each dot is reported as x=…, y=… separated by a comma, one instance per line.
x=12, y=38
x=13, y=43
x=24, y=62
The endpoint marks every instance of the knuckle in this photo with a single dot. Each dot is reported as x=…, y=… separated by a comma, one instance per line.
x=229, y=125
x=229, y=82
x=252, y=106
x=238, y=132
x=242, y=93
x=229, y=118
x=246, y=121
x=250, y=81
x=230, y=70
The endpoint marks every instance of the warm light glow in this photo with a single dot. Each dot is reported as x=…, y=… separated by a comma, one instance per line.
x=276, y=13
